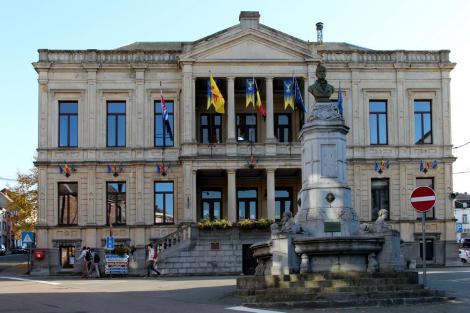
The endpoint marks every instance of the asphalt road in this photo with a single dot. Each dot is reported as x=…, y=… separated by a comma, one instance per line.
x=23, y=294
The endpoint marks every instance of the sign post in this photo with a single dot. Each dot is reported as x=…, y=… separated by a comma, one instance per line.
x=27, y=237
x=423, y=199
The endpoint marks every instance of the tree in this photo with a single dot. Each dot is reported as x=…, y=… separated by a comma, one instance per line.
x=24, y=205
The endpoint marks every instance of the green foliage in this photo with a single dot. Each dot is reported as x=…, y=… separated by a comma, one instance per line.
x=214, y=224
x=120, y=249
x=24, y=205
x=261, y=224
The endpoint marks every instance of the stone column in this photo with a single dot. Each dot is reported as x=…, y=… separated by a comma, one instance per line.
x=231, y=195
x=91, y=195
x=139, y=104
x=271, y=198
x=231, y=110
x=270, y=111
x=188, y=117
x=139, y=178
x=90, y=119
x=194, y=195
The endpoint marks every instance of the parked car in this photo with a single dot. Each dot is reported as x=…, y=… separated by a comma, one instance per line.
x=20, y=250
x=3, y=250
x=464, y=255
x=465, y=242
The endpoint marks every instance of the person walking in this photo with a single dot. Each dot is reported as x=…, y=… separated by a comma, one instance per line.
x=151, y=260
x=95, y=267
x=82, y=258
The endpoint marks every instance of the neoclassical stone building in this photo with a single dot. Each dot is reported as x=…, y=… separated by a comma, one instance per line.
x=105, y=155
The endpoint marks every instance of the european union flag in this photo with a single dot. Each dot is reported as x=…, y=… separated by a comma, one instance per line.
x=288, y=94
x=340, y=101
x=298, y=97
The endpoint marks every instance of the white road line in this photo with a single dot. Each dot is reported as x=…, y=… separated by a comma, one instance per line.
x=245, y=309
x=30, y=280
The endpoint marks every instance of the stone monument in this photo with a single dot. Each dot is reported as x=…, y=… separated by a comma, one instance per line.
x=325, y=237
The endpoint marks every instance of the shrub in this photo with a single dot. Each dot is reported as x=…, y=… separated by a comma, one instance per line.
x=214, y=224
x=261, y=224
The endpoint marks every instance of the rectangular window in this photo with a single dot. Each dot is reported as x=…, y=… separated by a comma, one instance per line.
x=68, y=203
x=164, y=203
x=68, y=124
x=116, y=203
x=423, y=122
x=67, y=256
x=210, y=128
x=428, y=182
x=283, y=202
x=211, y=201
x=464, y=219
x=116, y=124
x=246, y=127
x=163, y=136
x=247, y=204
x=380, y=196
x=282, y=127
x=378, y=122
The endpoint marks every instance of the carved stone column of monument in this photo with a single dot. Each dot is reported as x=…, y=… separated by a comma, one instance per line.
x=326, y=206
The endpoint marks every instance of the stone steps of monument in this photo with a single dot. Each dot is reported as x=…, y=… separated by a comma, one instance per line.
x=356, y=302
x=351, y=295
x=343, y=275
x=342, y=282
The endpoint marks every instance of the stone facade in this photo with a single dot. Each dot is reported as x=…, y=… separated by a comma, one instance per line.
x=137, y=73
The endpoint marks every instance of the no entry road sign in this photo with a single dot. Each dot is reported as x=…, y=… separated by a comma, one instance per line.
x=423, y=199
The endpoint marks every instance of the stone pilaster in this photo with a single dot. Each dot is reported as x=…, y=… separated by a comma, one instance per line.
x=139, y=107
x=271, y=198
x=188, y=104
x=140, y=192
x=231, y=195
x=91, y=184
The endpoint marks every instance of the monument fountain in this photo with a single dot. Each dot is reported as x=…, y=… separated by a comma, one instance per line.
x=324, y=256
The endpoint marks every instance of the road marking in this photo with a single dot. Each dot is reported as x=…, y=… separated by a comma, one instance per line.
x=444, y=272
x=246, y=309
x=31, y=280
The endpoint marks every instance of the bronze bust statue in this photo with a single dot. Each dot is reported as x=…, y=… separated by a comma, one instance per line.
x=321, y=90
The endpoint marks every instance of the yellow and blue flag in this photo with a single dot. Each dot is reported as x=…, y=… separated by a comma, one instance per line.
x=288, y=94
x=216, y=98
x=250, y=91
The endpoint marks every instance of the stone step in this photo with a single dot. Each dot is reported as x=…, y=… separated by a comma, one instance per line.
x=340, y=282
x=312, y=294
x=348, y=303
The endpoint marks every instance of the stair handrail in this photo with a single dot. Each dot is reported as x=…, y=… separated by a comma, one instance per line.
x=182, y=233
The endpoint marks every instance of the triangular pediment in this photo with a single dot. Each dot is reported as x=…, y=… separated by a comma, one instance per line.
x=261, y=44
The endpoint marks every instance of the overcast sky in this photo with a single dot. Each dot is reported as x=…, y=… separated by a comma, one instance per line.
x=26, y=26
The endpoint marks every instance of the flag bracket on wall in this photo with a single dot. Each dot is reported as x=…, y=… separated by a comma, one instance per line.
x=162, y=169
x=426, y=165
x=67, y=169
x=114, y=169
x=381, y=166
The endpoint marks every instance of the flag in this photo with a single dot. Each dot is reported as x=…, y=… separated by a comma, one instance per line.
x=340, y=101
x=166, y=122
x=298, y=97
x=250, y=91
x=108, y=168
x=209, y=94
x=66, y=170
x=434, y=164
x=421, y=165
x=259, y=104
x=288, y=96
x=61, y=170
x=376, y=166
x=216, y=98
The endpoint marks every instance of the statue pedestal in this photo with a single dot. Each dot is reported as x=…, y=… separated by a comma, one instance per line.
x=326, y=208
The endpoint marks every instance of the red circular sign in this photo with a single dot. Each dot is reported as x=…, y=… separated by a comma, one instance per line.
x=423, y=199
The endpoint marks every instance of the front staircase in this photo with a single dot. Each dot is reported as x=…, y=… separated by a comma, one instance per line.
x=322, y=290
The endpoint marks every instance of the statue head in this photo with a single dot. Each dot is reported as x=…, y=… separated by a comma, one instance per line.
x=320, y=72
x=383, y=215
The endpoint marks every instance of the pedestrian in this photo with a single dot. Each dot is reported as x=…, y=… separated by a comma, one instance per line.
x=96, y=263
x=82, y=258
x=151, y=260
x=155, y=260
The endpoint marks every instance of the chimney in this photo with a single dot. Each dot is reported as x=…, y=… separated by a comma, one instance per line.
x=249, y=19
x=319, y=32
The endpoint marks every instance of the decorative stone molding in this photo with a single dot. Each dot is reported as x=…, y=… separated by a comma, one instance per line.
x=377, y=56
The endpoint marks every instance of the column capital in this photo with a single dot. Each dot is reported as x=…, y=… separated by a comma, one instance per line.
x=230, y=77
x=269, y=77
x=270, y=170
x=231, y=170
